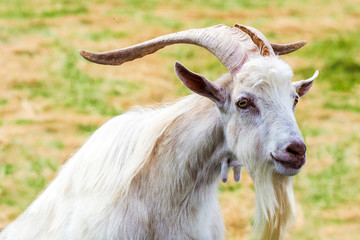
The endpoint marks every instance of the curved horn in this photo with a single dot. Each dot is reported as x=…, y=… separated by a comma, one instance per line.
x=258, y=38
x=230, y=45
x=282, y=49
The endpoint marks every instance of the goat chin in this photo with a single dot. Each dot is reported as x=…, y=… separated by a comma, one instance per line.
x=274, y=203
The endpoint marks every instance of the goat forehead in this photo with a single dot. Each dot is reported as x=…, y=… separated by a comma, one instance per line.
x=268, y=76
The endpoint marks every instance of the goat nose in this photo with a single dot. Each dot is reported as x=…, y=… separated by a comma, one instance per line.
x=297, y=148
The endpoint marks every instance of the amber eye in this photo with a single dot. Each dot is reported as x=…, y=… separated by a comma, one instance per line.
x=243, y=103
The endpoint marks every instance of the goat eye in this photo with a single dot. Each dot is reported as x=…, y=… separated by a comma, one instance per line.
x=243, y=103
x=296, y=101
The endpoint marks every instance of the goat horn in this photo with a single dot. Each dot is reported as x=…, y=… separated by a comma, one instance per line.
x=258, y=38
x=282, y=49
x=230, y=45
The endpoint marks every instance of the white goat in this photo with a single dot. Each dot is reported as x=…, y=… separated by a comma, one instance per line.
x=153, y=174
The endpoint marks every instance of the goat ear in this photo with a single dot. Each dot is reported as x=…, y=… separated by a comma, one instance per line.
x=302, y=87
x=199, y=84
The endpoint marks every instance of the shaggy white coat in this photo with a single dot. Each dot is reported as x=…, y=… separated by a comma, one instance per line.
x=153, y=173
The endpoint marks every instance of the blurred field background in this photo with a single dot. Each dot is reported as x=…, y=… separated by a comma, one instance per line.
x=51, y=99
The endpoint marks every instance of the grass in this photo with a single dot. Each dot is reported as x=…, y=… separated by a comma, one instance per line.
x=105, y=34
x=341, y=65
x=70, y=87
x=87, y=128
x=51, y=99
x=342, y=102
x=6, y=169
x=18, y=9
x=11, y=33
x=327, y=189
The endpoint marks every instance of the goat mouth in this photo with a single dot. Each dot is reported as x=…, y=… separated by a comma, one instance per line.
x=288, y=164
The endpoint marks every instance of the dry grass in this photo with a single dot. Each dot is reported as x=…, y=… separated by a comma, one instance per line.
x=51, y=100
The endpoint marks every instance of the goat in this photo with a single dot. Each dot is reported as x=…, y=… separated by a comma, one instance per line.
x=153, y=173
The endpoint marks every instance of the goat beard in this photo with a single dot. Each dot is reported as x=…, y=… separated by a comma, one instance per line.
x=274, y=203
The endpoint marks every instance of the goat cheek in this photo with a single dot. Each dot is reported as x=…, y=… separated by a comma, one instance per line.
x=231, y=133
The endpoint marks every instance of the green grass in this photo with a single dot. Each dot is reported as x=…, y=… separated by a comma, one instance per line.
x=14, y=32
x=83, y=91
x=42, y=164
x=327, y=187
x=19, y=9
x=3, y=102
x=106, y=34
x=308, y=131
x=230, y=186
x=343, y=101
x=233, y=5
x=70, y=87
x=139, y=4
x=56, y=144
x=340, y=61
x=167, y=23
x=31, y=180
x=87, y=128
x=6, y=169
x=24, y=122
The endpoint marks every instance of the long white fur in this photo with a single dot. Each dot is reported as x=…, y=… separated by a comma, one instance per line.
x=269, y=78
x=153, y=173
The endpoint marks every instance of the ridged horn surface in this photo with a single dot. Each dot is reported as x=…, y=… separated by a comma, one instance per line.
x=281, y=49
x=229, y=44
x=258, y=38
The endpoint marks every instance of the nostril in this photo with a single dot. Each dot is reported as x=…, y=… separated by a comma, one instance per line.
x=296, y=148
